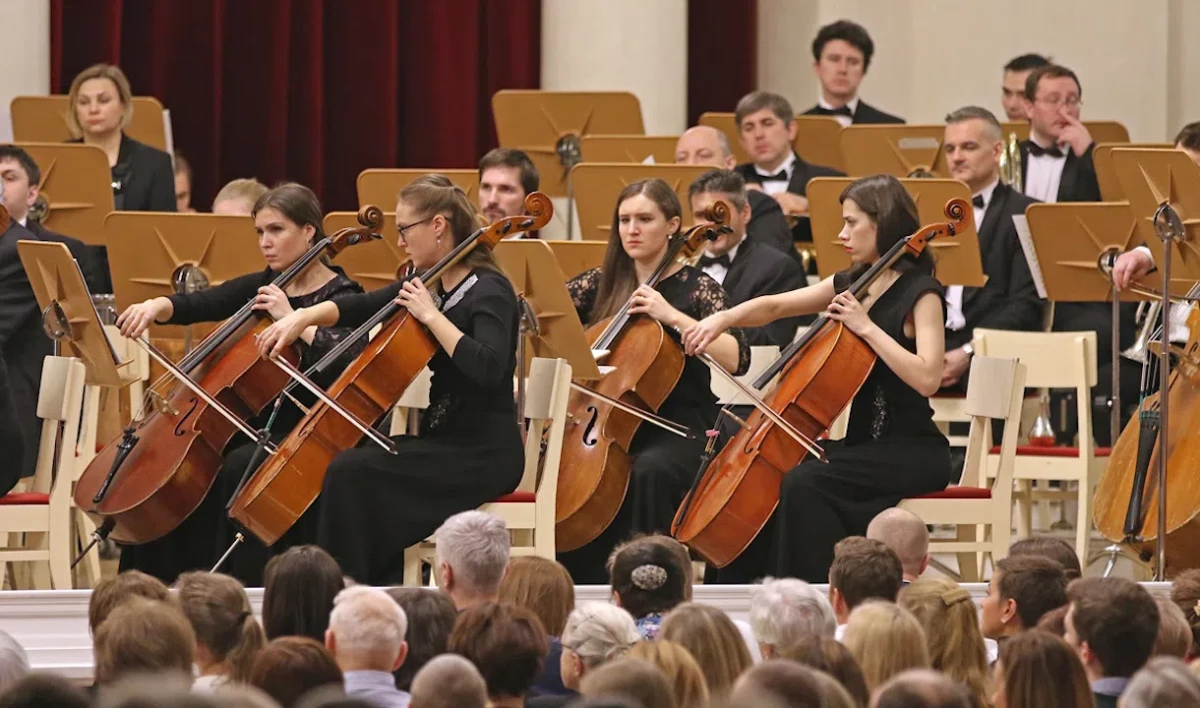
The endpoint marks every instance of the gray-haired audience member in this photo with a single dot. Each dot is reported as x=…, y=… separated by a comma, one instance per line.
x=595, y=633
x=366, y=637
x=14, y=662
x=905, y=533
x=1164, y=682
x=448, y=681
x=921, y=688
x=785, y=612
x=472, y=553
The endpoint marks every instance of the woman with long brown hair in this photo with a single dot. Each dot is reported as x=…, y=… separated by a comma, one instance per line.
x=892, y=448
x=228, y=636
x=646, y=217
x=1038, y=670
x=375, y=504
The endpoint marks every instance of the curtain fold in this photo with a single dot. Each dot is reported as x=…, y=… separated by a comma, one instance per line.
x=310, y=90
x=722, y=54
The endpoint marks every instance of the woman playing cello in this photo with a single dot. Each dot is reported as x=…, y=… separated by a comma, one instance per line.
x=892, y=449
x=288, y=221
x=376, y=504
x=646, y=215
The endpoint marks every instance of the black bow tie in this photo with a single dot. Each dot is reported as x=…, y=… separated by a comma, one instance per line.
x=1037, y=150
x=977, y=201
x=843, y=111
x=723, y=259
x=780, y=176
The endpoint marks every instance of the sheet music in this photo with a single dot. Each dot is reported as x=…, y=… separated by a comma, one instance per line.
x=1026, y=238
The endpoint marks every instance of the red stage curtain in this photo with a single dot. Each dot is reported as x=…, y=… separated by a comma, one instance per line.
x=722, y=54
x=310, y=90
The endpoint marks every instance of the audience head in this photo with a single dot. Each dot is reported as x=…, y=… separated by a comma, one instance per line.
x=366, y=630
x=1054, y=622
x=20, y=176
x=14, y=662
x=238, y=197
x=288, y=221
x=922, y=688
x=863, y=569
x=680, y=551
x=1112, y=624
x=152, y=690
x=1053, y=548
x=885, y=639
x=647, y=577
x=1164, y=682
x=143, y=635
x=542, y=586
x=472, y=553
x=43, y=691
x=841, y=56
x=687, y=680
x=595, y=633
x=507, y=644
x=433, y=215
x=713, y=639
x=1188, y=140
x=1052, y=96
x=727, y=186
x=1185, y=592
x=1174, y=631
x=766, y=126
x=878, y=213
x=906, y=534
x=829, y=656
x=299, y=586
x=506, y=176
x=788, y=683
x=785, y=612
x=290, y=667
x=973, y=143
x=101, y=102
x=1038, y=670
x=952, y=633
x=116, y=589
x=183, y=184
x=1022, y=589
x=226, y=630
x=448, y=681
x=630, y=679
x=431, y=617
x=704, y=145
x=1013, y=87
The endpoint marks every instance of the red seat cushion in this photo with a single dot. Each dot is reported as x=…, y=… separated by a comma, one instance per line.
x=958, y=493
x=526, y=497
x=24, y=499
x=1053, y=451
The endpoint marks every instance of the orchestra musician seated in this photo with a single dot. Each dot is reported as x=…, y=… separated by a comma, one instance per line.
x=183, y=184
x=1012, y=87
x=506, y=177
x=842, y=54
x=238, y=197
x=288, y=221
x=12, y=437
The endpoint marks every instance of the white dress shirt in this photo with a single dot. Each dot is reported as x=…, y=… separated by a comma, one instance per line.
x=718, y=271
x=852, y=104
x=1043, y=176
x=776, y=186
x=955, y=320
x=1179, y=313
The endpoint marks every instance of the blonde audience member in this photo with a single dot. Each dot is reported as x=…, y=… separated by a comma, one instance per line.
x=1164, y=682
x=952, y=632
x=1174, y=631
x=595, y=634
x=116, y=589
x=228, y=636
x=1039, y=670
x=238, y=197
x=905, y=533
x=885, y=639
x=713, y=640
x=448, y=681
x=680, y=668
x=629, y=679
x=141, y=636
x=786, y=612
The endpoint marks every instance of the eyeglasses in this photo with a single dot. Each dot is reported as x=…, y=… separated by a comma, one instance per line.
x=1069, y=101
x=402, y=229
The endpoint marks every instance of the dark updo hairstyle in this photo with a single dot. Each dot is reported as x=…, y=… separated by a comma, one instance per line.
x=890, y=207
x=648, y=577
x=297, y=203
x=434, y=194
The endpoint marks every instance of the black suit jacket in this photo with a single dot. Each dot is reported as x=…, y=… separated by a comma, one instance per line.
x=1078, y=183
x=1009, y=299
x=798, y=184
x=97, y=278
x=768, y=225
x=760, y=270
x=864, y=114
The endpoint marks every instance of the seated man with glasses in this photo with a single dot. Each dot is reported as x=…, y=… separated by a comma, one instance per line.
x=1056, y=160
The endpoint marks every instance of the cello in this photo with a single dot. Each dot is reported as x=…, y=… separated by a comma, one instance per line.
x=146, y=482
x=275, y=496
x=605, y=415
x=737, y=491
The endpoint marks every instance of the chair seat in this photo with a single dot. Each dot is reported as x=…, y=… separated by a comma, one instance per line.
x=517, y=497
x=958, y=493
x=1053, y=451
x=24, y=499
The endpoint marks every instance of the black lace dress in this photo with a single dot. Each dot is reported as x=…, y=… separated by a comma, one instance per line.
x=663, y=465
x=199, y=541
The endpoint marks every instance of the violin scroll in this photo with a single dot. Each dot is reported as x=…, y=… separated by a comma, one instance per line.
x=371, y=218
x=540, y=210
x=956, y=211
x=717, y=224
x=538, y=206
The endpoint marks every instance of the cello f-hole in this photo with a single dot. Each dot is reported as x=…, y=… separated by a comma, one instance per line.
x=589, y=433
x=179, y=431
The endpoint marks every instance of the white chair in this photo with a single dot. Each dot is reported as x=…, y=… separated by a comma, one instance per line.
x=994, y=392
x=1062, y=360
x=529, y=511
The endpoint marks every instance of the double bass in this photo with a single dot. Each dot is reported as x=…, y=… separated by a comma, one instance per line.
x=604, y=416
x=278, y=493
x=144, y=483
x=819, y=374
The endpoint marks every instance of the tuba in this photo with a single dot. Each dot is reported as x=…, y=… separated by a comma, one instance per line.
x=1010, y=163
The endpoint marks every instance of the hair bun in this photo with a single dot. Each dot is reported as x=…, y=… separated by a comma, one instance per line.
x=648, y=577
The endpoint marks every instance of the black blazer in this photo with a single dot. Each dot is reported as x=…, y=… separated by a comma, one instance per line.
x=864, y=114
x=768, y=225
x=143, y=178
x=760, y=270
x=1009, y=299
x=1078, y=183
x=798, y=184
x=97, y=278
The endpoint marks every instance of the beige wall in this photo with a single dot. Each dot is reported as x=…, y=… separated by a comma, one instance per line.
x=25, y=61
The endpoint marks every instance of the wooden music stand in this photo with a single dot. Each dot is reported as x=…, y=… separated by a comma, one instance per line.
x=77, y=185
x=645, y=149
x=1106, y=173
x=575, y=257
x=1102, y=131
x=548, y=125
x=958, y=259
x=381, y=186
x=817, y=140
x=1150, y=178
x=372, y=264
x=897, y=150
x=598, y=184
x=43, y=119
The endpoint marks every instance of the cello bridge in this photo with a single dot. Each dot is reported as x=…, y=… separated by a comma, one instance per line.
x=161, y=404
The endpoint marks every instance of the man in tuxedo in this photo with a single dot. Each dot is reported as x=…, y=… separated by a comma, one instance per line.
x=705, y=145
x=767, y=127
x=973, y=143
x=841, y=56
x=744, y=267
x=1012, y=90
x=506, y=177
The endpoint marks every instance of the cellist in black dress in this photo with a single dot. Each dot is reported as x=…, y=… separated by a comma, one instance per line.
x=288, y=221
x=662, y=464
x=468, y=452
x=892, y=449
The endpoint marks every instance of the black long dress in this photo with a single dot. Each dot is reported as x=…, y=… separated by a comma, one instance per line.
x=892, y=450
x=662, y=465
x=468, y=451
x=207, y=532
